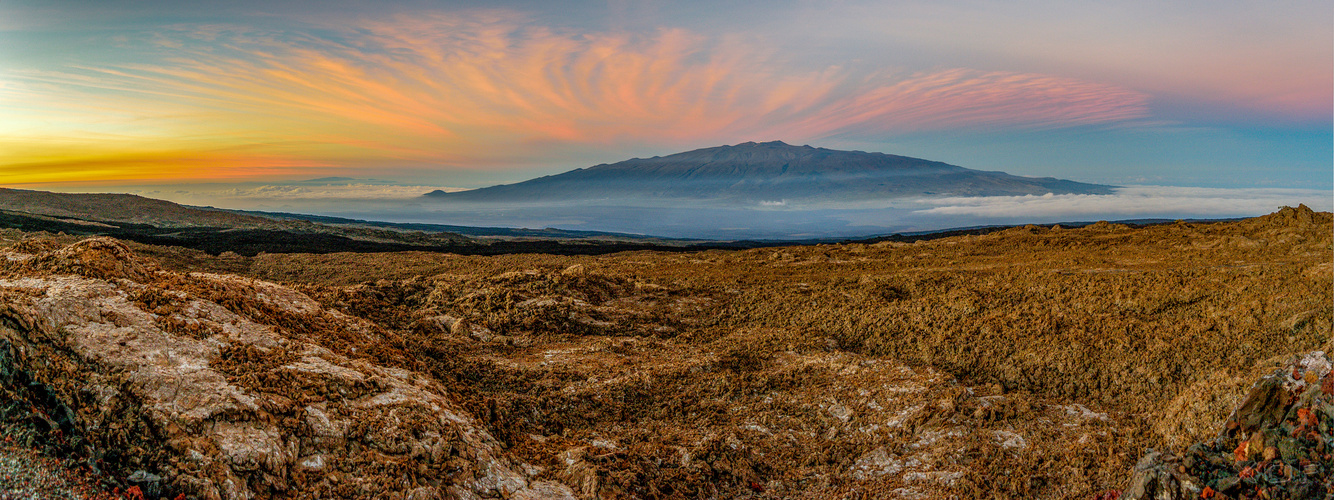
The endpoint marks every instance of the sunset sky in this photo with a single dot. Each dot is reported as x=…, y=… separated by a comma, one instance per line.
x=1217, y=94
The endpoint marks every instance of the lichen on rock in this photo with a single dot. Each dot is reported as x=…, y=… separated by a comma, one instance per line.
x=247, y=409
x=1276, y=444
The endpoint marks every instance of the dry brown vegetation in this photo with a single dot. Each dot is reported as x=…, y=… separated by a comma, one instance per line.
x=820, y=371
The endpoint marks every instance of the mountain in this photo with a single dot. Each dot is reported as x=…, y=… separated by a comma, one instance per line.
x=769, y=172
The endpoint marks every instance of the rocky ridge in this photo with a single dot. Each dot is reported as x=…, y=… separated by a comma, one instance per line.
x=215, y=405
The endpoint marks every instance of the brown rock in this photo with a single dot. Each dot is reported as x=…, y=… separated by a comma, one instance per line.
x=83, y=335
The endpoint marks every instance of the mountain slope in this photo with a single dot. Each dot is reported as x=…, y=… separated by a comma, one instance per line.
x=751, y=172
x=115, y=207
x=151, y=220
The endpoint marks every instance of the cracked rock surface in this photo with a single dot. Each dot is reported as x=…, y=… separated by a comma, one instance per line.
x=223, y=405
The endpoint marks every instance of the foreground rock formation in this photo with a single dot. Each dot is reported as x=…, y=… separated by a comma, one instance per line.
x=217, y=387
x=1278, y=444
x=207, y=402
x=942, y=369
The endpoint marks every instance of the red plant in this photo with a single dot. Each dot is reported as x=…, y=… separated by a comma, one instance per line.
x=1240, y=452
x=1248, y=472
x=134, y=493
x=1108, y=495
x=1306, y=416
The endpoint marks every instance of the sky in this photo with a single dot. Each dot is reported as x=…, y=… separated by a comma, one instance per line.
x=109, y=94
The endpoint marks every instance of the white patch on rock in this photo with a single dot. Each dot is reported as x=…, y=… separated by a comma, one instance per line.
x=400, y=395
x=900, y=417
x=943, y=477
x=545, y=490
x=875, y=463
x=1008, y=439
x=929, y=438
x=1083, y=412
x=249, y=447
x=321, y=366
x=321, y=425
x=757, y=428
x=841, y=412
x=311, y=463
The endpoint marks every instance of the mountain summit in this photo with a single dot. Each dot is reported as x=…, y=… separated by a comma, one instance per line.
x=751, y=172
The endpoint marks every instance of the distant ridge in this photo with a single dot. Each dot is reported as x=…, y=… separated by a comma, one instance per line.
x=769, y=173
x=129, y=208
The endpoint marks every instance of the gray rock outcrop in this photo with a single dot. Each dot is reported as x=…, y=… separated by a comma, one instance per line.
x=202, y=379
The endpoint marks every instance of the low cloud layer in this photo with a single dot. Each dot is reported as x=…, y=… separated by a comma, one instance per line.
x=332, y=192
x=772, y=219
x=1131, y=202
x=299, y=197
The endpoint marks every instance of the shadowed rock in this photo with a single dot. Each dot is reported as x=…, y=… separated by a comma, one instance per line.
x=1273, y=445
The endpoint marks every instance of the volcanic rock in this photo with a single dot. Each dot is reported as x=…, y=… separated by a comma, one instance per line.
x=1276, y=444
x=205, y=379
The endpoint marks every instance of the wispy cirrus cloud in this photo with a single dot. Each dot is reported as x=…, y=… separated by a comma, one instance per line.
x=489, y=88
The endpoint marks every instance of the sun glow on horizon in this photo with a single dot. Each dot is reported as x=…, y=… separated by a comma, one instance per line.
x=420, y=92
x=223, y=102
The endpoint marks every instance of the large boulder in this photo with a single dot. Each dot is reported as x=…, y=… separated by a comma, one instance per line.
x=1276, y=444
x=209, y=386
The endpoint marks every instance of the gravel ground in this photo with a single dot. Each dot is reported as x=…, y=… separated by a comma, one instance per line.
x=28, y=474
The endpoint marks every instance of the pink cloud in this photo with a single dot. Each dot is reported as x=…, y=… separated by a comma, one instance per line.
x=481, y=88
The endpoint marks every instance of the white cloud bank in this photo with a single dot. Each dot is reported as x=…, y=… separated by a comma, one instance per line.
x=330, y=192
x=296, y=191
x=1133, y=202
x=313, y=197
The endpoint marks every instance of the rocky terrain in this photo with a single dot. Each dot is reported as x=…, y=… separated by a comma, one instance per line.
x=1276, y=444
x=1026, y=363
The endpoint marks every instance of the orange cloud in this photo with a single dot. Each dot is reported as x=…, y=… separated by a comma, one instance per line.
x=98, y=160
x=483, y=89
x=962, y=98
